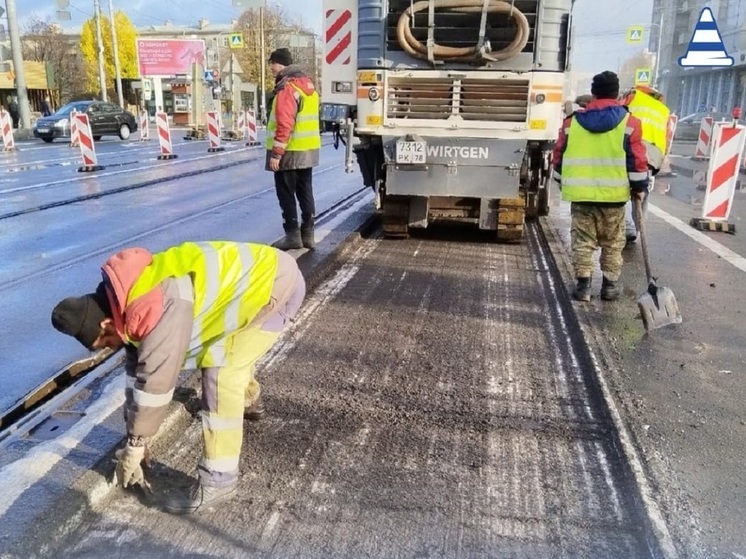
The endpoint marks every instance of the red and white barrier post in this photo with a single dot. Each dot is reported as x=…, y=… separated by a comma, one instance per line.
x=6, y=125
x=164, y=136
x=241, y=125
x=74, y=135
x=729, y=141
x=144, y=126
x=251, y=133
x=666, y=170
x=213, y=131
x=87, y=145
x=704, y=142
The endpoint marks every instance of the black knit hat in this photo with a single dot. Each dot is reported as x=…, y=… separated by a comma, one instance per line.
x=81, y=317
x=281, y=56
x=605, y=85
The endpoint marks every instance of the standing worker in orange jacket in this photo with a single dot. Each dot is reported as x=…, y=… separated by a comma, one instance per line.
x=293, y=144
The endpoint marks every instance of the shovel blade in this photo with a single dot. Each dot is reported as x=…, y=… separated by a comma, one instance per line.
x=665, y=312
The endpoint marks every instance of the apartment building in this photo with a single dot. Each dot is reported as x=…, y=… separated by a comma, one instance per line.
x=688, y=90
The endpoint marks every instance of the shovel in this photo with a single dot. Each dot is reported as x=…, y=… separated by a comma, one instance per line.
x=658, y=305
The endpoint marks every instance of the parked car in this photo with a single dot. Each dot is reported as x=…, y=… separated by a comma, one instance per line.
x=687, y=129
x=107, y=119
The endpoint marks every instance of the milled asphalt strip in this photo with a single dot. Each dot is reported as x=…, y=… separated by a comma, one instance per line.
x=121, y=189
x=723, y=252
x=629, y=451
x=149, y=232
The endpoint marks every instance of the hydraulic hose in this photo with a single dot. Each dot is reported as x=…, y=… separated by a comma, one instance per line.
x=467, y=54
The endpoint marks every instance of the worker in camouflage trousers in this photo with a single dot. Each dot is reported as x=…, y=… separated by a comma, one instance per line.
x=217, y=306
x=599, y=160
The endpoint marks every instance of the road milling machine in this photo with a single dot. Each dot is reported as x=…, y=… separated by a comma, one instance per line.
x=450, y=107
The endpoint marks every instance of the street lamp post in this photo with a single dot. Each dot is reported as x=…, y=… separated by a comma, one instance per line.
x=115, y=45
x=263, y=81
x=658, y=48
x=15, y=47
x=101, y=73
x=262, y=5
x=216, y=41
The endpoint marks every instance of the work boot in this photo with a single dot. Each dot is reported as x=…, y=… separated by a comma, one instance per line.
x=291, y=240
x=306, y=235
x=255, y=411
x=631, y=237
x=609, y=290
x=198, y=497
x=582, y=290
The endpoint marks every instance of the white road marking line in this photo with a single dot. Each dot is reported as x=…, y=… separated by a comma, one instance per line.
x=723, y=252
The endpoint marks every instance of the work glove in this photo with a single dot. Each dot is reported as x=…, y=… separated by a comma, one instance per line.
x=639, y=195
x=129, y=465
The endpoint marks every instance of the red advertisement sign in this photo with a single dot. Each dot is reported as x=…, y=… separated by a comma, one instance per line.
x=168, y=57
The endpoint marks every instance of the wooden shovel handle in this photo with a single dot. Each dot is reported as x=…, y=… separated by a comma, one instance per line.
x=643, y=239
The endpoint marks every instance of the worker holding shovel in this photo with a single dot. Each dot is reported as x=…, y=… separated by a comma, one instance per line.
x=599, y=160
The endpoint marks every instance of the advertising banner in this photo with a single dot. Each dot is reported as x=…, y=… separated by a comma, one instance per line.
x=168, y=57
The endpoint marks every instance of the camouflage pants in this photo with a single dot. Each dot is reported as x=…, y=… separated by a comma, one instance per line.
x=593, y=227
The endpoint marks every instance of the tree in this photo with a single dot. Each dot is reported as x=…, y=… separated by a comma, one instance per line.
x=126, y=41
x=642, y=60
x=278, y=28
x=43, y=41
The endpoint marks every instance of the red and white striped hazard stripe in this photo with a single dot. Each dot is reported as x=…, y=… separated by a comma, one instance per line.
x=241, y=124
x=85, y=137
x=164, y=134
x=673, y=121
x=251, y=133
x=213, y=131
x=705, y=139
x=74, y=136
x=144, y=126
x=338, y=36
x=722, y=175
x=6, y=123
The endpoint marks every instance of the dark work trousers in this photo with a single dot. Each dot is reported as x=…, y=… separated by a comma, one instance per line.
x=290, y=185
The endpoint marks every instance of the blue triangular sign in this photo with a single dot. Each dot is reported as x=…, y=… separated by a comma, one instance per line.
x=706, y=47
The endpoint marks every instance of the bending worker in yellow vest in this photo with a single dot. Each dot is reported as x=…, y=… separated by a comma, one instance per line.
x=647, y=104
x=293, y=144
x=598, y=160
x=218, y=306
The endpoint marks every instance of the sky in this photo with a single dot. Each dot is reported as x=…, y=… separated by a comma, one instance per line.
x=600, y=28
x=155, y=12
x=600, y=25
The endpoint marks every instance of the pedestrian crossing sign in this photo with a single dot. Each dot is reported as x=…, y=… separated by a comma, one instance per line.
x=643, y=76
x=634, y=34
x=236, y=40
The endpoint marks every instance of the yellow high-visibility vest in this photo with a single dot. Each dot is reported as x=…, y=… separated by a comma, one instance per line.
x=306, y=132
x=654, y=117
x=594, y=165
x=232, y=282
